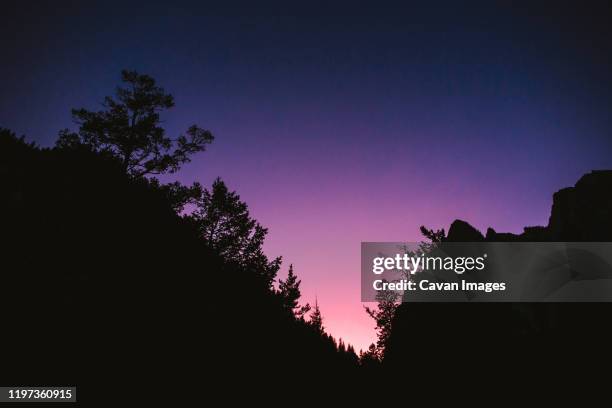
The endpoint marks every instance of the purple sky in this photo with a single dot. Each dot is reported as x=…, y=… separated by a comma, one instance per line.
x=342, y=126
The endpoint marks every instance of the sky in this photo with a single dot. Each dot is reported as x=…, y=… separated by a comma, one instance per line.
x=345, y=123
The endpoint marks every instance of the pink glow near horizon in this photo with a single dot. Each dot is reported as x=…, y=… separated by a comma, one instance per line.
x=325, y=251
x=320, y=205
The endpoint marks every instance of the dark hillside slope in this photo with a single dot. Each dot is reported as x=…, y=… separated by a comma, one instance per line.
x=103, y=283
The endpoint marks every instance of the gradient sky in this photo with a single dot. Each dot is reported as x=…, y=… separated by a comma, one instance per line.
x=341, y=124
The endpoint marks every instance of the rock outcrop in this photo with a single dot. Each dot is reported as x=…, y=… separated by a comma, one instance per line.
x=579, y=213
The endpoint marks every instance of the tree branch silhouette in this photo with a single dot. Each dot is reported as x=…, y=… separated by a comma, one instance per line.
x=129, y=128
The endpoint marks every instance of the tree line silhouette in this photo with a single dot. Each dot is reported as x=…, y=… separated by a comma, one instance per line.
x=113, y=277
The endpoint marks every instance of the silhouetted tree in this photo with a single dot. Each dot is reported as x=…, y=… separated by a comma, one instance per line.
x=341, y=346
x=316, y=319
x=433, y=236
x=129, y=128
x=370, y=358
x=7, y=136
x=226, y=226
x=289, y=290
x=383, y=316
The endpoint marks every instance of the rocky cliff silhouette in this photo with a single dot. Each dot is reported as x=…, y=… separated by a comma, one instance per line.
x=582, y=213
x=530, y=338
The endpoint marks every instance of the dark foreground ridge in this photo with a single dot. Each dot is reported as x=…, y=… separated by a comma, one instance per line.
x=544, y=339
x=106, y=287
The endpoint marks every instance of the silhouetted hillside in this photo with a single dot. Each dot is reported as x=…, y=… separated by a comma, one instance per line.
x=104, y=284
x=530, y=339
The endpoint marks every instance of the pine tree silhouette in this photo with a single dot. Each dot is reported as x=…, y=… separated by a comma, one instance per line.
x=226, y=226
x=383, y=316
x=289, y=290
x=316, y=318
